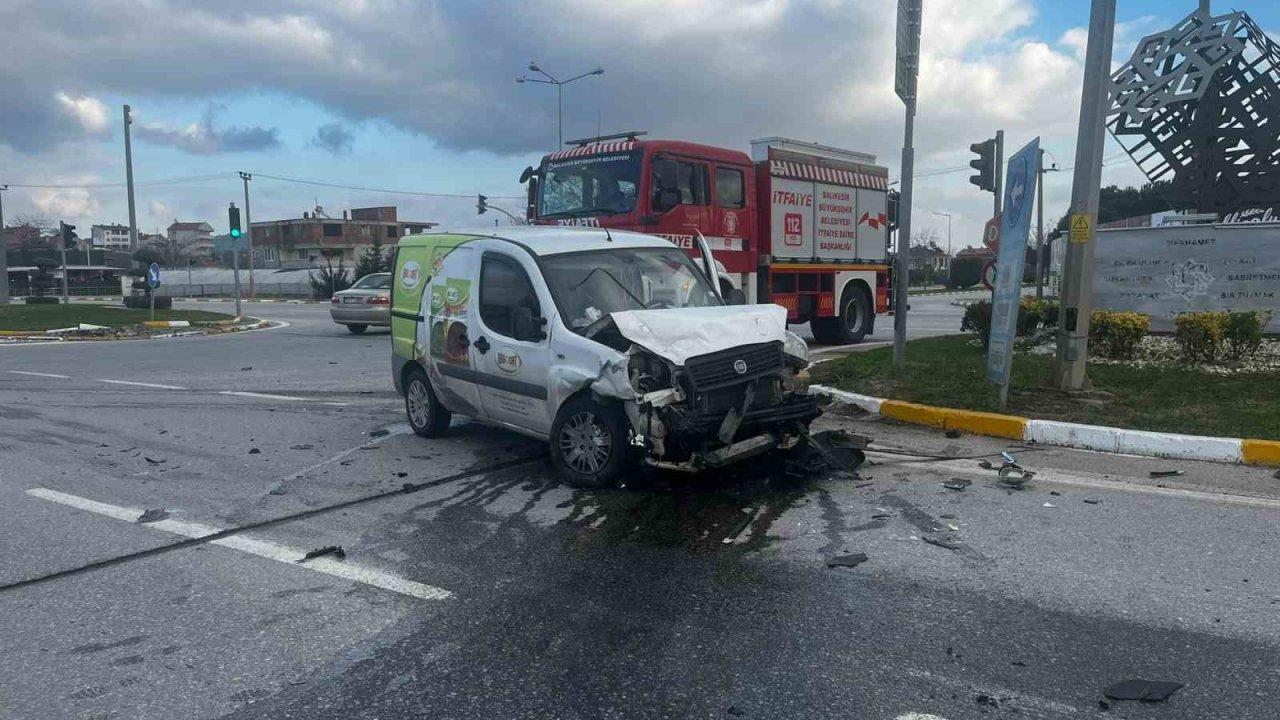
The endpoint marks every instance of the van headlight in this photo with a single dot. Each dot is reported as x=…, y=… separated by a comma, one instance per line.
x=794, y=346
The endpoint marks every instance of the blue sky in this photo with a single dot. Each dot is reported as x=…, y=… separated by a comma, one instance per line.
x=421, y=96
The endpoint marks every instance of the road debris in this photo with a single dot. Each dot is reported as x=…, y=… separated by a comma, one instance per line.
x=736, y=712
x=335, y=550
x=1165, y=473
x=153, y=515
x=301, y=447
x=986, y=465
x=279, y=490
x=380, y=433
x=255, y=451
x=957, y=484
x=987, y=700
x=1055, y=493
x=941, y=541
x=1012, y=475
x=1145, y=690
x=245, y=368
x=1091, y=501
x=153, y=461
x=849, y=561
x=881, y=516
x=1049, y=505
x=953, y=434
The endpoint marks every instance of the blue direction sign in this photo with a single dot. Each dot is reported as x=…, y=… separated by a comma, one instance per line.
x=153, y=276
x=1020, y=187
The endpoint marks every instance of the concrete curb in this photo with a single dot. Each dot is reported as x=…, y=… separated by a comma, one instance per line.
x=1063, y=434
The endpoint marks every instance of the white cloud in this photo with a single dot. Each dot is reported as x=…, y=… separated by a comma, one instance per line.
x=75, y=205
x=88, y=111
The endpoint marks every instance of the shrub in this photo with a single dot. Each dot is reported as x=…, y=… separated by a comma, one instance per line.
x=1117, y=334
x=1243, y=333
x=1200, y=335
x=977, y=320
x=965, y=272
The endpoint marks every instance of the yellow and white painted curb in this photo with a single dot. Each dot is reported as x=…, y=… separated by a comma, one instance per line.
x=1064, y=434
x=167, y=323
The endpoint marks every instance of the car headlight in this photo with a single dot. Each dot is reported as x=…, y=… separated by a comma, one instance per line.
x=795, y=346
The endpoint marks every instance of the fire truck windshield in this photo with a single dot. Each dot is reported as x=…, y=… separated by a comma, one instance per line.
x=591, y=185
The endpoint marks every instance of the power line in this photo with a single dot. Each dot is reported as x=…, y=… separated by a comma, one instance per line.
x=381, y=190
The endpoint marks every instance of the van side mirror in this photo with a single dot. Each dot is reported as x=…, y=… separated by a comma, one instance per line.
x=524, y=326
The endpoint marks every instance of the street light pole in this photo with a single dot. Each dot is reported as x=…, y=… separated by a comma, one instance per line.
x=128, y=175
x=248, y=224
x=533, y=67
x=4, y=259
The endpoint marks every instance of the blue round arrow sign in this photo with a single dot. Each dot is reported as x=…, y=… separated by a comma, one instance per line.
x=153, y=276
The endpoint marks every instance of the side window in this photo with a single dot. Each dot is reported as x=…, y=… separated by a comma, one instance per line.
x=691, y=181
x=730, y=192
x=504, y=286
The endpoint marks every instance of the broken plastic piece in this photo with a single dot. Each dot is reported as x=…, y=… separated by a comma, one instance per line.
x=1008, y=458
x=153, y=515
x=986, y=465
x=335, y=550
x=1146, y=690
x=941, y=542
x=957, y=484
x=1165, y=473
x=1091, y=501
x=255, y=451
x=153, y=462
x=853, y=560
x=1014, y=476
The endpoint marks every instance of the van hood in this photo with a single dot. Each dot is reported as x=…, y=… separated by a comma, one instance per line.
x=678, y=334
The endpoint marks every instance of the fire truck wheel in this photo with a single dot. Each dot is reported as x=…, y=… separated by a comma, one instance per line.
x=853, y=322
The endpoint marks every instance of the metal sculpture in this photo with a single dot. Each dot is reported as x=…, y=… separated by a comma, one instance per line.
x=1199, y=104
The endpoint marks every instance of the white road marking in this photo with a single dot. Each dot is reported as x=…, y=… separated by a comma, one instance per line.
x=267, y=396
x=1024, y=701
x=141, y=384
x=920, y=716
x=252, y=546
x=49, y=375
x=1082, y=480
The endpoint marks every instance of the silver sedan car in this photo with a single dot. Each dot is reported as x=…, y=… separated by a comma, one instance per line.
x=367, y=302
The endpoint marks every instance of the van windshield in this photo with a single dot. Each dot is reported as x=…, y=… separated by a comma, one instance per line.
x=593, y=185
x=589, y=285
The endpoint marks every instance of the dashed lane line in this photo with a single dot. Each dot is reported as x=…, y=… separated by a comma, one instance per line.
x=267, y=396
x=252, y=546
x=40, y=374
x=141, y=384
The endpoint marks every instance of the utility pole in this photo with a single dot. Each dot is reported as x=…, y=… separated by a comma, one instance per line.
x=4, y=257
x=1041, y=264
x=62, y=246
x=248, y=224
x=128, y=174
x=906, y=75
x=1070, y=364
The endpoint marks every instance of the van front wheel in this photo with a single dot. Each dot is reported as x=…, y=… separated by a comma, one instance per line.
x=589, y=443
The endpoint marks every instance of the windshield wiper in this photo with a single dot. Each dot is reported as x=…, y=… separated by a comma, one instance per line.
x=583, y=211
x=625, y=289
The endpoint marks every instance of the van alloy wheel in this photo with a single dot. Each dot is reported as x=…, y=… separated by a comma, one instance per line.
x=585, y=443
x=417, y=403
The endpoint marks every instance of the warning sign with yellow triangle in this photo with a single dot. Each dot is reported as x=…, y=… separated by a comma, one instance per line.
x=1080, y=229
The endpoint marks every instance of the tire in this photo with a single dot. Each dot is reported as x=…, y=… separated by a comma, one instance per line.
x=854, y=320
x=356, y=329
x=589, y=443
x=427, y=416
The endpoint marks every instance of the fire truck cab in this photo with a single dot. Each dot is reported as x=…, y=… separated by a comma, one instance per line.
x=796, y=224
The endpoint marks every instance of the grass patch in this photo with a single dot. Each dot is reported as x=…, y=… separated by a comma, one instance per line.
x=19, y=317
x=949, y=372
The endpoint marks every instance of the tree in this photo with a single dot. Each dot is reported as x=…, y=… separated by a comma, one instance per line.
x=43, y=280
x=146, y=256
x=928, y=237
x=34, y=231
x=372, y=260
x=1117, y=203
x=966, y=272
x=329, y=280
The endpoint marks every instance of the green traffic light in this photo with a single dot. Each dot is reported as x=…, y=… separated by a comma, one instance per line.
x=235, y=232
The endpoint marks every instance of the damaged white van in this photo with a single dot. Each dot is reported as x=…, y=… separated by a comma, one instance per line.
x=611, y=346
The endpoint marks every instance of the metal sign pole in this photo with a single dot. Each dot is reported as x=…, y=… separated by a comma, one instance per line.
x=906, y=74
x=1077, y=289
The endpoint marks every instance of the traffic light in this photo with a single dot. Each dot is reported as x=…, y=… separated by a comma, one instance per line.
x=985, y=164
x=68, y=235
x=233, y=220
x=482, y=204
x=894, y=200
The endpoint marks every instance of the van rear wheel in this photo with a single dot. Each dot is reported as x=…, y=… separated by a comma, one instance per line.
x=427, y=416
x=589, y=443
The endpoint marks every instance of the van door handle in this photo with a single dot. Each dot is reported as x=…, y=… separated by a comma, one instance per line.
x=482, y=345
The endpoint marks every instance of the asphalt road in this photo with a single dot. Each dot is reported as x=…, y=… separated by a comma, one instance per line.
x=492, y=591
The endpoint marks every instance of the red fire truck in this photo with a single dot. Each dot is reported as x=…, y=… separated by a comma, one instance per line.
x=798, y=224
